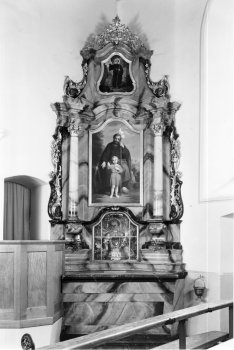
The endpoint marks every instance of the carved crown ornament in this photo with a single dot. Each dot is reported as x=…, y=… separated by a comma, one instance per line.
x=115, y=33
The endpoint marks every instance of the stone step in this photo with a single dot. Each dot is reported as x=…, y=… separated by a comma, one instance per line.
x=197, y=341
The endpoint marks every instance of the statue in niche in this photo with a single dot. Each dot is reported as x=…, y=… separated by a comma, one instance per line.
x=119, y=182
x=116, y=76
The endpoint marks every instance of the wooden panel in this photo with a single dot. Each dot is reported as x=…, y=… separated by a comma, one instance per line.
x=6, y=280
x=6, y=314
x=33, y=322
x=36, y=279
x=30, y=292
x=58, y=270
x=50, y=281
x=36, y=312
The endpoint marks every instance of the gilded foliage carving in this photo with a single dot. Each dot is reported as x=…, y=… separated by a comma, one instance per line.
x=55, y=201
x=177, y=207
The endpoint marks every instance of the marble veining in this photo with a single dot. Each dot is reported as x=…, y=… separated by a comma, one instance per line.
x=92, y=306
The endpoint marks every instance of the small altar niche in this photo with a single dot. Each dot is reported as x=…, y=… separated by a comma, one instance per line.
x=115, y=238
x=116, y=185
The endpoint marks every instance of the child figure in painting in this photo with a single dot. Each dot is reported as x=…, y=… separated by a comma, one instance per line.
x=115, y=178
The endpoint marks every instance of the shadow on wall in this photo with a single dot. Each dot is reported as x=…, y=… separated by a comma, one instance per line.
x=25, y=208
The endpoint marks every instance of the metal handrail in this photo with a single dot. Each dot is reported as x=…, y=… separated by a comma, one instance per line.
x=97, y=338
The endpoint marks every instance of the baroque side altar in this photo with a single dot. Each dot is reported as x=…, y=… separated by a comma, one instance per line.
x=115, y=187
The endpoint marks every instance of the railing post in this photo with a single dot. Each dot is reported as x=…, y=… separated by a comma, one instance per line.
x=182, y=334
x=231, y=322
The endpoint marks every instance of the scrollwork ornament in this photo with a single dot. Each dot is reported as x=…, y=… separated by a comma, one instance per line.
x=160, y=88
x=177, y=207
x=73, y=228
x=56, y=150
x=73, y=89
x=115, y=208
x=55, y=201
x=175, y=153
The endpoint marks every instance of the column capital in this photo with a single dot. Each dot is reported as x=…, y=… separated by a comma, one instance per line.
x=158, y=113
x=75, y=128
x=157, y=127
x=174, y=106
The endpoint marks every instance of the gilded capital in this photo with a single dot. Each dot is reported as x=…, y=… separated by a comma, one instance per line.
x=74, y=128
x=158, y=128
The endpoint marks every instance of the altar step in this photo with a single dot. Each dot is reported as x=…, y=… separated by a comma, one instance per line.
x=150, y=262
x=197, y=341
x=92, y=304
x=108, y=294
x=159, y=342
x=136, y=342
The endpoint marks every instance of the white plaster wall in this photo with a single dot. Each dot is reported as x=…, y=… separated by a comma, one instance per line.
x=10, y=339
x=210, y=140
x=39, y=223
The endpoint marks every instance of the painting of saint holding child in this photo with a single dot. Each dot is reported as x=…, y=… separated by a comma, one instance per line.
x=116, y=165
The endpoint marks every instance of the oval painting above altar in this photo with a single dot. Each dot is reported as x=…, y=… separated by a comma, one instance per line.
x=116, y=76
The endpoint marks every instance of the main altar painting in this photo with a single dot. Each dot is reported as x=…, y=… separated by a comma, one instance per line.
x=116, y=164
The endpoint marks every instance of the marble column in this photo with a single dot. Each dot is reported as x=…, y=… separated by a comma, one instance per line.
x=158, y=127
x=73, y=193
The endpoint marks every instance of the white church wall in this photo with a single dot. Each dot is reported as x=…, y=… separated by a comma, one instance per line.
x=214, y=163
x=39, y=223
x=10, y=339
x=209, y=242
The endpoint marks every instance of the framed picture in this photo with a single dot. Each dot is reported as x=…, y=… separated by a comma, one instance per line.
x=116, y=75
x=116, y=164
